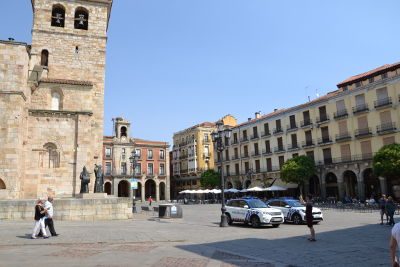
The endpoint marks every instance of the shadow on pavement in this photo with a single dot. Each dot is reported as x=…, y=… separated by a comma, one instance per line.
x=359, y=246
x=26, y=236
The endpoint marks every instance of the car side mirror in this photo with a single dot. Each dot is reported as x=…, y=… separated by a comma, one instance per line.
x=246, y=206
x=287, y=206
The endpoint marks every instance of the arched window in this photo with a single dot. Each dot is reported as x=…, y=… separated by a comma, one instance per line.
x=81, y=18
x=58, y=16
x=44, y=58
x=51, y=158
x=123, y=131
x=2, y=185
x=55, y=101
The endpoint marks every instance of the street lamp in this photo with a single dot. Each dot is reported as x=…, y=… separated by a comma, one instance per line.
x=218, y=138
x=133, y=160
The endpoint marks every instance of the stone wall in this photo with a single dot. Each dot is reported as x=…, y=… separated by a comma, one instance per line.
x=71, y=209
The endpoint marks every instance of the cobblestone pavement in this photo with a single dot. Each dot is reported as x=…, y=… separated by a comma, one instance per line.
x=343, y=239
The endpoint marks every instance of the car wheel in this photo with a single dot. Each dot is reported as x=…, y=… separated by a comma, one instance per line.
x=275, y=225
x=229, y=219
x=255, y=221
x=296, y=218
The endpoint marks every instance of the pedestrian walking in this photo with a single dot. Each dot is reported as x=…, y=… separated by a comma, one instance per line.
x=394, y=244
x=382, y=207
x=309, y=218
x=40, y=213
x=390, y=209
x=48, y=221
x=150, y=200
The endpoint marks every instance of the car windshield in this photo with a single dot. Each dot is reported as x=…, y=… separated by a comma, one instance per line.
x=256, y=203
x=294, y=203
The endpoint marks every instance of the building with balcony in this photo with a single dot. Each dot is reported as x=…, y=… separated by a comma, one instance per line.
x=192, y=154
x=151, y=169
x=341, y=131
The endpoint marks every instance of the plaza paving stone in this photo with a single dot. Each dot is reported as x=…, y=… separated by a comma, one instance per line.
x=344, y=238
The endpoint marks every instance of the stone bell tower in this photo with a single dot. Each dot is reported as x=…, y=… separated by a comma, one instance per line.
x=66, y=104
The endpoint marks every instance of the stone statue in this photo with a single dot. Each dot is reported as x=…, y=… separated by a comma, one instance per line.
x=98, y=185
x=85, y=180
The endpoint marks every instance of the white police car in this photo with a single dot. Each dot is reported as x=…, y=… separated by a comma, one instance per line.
x=294, y=211
x=254, y=211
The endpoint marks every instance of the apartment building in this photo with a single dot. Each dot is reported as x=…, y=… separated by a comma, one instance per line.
x=150, y=171
x=341, y=131
x=192, y=154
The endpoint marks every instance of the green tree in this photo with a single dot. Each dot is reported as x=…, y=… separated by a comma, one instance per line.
x=387, y=161
x=297, y=170
x=210, y=179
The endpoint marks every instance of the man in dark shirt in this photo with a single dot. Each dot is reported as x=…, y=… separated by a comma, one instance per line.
x=309, y=217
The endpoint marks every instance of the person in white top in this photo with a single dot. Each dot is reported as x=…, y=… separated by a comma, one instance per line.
x=49, y=216
x=394, y=242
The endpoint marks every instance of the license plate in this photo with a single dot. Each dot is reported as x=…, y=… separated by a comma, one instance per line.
x=276, y=219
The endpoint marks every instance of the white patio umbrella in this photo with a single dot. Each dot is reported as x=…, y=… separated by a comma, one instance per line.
x=206, y=191
x=216, y=191
x=243, y=191
x=256, y=189
x=231, y=190
x=184, y=191
x=199, y=191
x=276, y=188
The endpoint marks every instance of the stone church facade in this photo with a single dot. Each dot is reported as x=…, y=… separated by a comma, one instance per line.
x=52, y=99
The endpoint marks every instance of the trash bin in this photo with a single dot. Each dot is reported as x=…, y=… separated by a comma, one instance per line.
x=167, y=211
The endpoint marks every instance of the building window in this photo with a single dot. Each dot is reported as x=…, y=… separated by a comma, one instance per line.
x=44, y=58
x=124, y=131
x=150, y=169
x=108, y=152
x=162, y=169
x=138, y=152
x=138, y=169
x=123, y=168
x=371, y=80
x=206, y=137
x=81, y=19
x=50, y=156
x=55, y=101
x=108, y=168
x=358, y=84
x=149, y=154
x=162, y=154
x=384, y=75
x=58, y=16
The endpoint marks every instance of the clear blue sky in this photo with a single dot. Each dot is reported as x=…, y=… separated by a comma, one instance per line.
x=175, y=63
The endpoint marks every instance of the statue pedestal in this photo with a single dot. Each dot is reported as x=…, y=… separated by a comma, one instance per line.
x=92, y=195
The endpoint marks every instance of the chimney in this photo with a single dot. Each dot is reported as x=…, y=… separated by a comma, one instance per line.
x=257, y=115
x=248, y=119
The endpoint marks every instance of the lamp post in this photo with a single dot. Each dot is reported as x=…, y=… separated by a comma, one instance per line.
x=218, y=138
x=133, y=160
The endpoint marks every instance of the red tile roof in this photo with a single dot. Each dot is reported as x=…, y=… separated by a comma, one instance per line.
x=368, y=74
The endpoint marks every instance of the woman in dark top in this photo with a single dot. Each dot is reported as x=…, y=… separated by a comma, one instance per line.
x=309, y=218
x=40, y=212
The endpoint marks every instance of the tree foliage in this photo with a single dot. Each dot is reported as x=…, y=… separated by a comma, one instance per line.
x=387, y=161
x=297, y=170
x=210, y=179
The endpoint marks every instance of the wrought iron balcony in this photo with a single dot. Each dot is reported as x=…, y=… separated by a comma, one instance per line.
x=364, y=132
x=343, y=137
x=279, y=149
x=255, y=136
x=340, y=114
x=234, y=142
x=293, y=146
x=245, y=155
x=383, y=102
x=306, y=123
x=244, y=139
x=308, y=143
x=360, y=108
x=324, y=140
x=291, y=127
x=265, y=134
x=235, y=157
x=267, y=151
x=273, y=168
x=386, y=128
x=322, y=119
x=277, y=130
x=255, y=154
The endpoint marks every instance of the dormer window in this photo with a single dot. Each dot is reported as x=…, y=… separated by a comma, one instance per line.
x=81, y=19
x=58, y=16
x=44, y=58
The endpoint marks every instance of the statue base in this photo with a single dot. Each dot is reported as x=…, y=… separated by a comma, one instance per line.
x=92, y=195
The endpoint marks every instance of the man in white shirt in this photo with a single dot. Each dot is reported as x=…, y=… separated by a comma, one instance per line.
x=394, y=241
x=49, y=216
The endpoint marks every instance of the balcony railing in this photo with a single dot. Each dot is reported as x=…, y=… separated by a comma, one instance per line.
x=308, y=143
x=255, y=154
x=324, y=140
x=383, y=102
x=323, y=118
x=386, y=127
x=234, y=142
x=343, y=136
x=293, y=146
x=235, y=157
x=360, y=108
x=279, y=149
x=363, y=132
x=306, y=123
x=273, y=168
x=267, y=151
x=255, y=136
x=264, y=134
x=183, y=157
x=291, y=127
x=244, y=139
x=245, y=155
x=277, y=130
x=340, y=114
